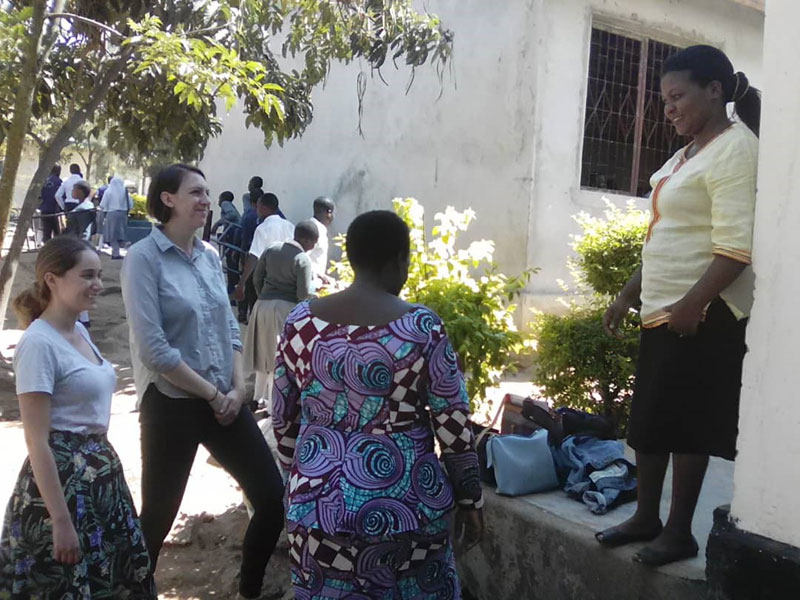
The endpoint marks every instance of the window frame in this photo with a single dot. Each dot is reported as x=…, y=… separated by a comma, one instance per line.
x=643, y=35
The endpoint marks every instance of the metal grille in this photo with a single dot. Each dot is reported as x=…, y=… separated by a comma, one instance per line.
x=626, y=137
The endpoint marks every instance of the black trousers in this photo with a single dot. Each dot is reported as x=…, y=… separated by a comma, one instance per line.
x=50, y=228
x=171, y=430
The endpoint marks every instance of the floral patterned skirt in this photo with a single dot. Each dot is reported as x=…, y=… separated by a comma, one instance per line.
x=114, y=561
x=417, y=565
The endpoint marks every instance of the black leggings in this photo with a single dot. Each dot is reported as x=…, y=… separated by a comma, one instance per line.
x=171, y=429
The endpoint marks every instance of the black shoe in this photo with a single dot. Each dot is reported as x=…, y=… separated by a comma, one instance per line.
x=658, y=558
x=541, y=414
x=613, y=537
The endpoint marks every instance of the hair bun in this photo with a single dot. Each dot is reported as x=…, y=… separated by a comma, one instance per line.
x=742, y=86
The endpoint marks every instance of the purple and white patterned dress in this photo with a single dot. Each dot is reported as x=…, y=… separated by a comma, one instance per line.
x=355, y=412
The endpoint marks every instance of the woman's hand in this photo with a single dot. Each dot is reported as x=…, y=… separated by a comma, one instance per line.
x=230, y=407
x=615, y=314
x=469, y=527
x=66, y=548
x=684, y=317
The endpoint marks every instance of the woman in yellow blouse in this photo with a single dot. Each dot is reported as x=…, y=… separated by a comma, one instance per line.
x=696, y=289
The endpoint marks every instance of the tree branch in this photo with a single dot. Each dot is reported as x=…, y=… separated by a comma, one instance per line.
x=196, y=32
x=51, y=36
x=92, y=22
x=37, y=139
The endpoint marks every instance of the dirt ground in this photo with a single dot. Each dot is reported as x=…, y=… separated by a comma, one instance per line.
x=201, y=558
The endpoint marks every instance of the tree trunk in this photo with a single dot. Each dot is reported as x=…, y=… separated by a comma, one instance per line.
x=89, y=166
x=29, y=205
x=22, y=115
x=46, y=160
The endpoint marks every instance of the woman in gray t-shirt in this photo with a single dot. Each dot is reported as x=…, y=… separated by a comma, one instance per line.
x=70, y=528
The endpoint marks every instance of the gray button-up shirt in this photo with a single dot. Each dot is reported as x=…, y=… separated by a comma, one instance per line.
x=178, y=309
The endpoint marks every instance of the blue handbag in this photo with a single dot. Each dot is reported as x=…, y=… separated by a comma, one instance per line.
x=522, y=464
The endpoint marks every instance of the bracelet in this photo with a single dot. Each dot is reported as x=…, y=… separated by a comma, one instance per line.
x=214, y=397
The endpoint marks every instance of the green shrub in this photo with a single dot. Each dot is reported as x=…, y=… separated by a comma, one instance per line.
x=464, y=286
x=609, y=249
x=577, y=364
x=139, y=210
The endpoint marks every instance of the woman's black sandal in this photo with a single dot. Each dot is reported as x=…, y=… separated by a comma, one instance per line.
x=613, y=537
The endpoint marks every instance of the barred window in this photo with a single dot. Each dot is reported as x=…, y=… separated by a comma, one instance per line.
x=626, y=137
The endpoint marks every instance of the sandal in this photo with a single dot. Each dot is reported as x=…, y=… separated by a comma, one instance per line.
x=613, y=537
x=658, y=558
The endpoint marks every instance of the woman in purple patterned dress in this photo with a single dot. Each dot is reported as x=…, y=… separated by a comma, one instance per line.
x=363, y=382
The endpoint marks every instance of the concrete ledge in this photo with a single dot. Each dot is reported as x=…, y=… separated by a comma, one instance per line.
x=745, y=566
x=530, y=553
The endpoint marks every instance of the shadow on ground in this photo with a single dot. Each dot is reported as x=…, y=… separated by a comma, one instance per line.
x=209, y=547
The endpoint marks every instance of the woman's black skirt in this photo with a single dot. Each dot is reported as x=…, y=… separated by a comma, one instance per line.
x=686, y=394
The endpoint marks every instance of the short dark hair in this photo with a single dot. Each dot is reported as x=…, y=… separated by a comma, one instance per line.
x=376, y=238
x=255, y=182
x=167, y=180
x=56, y=170
x=306, y=230
x=110, y=177
x=226, y=196
x=323, y=204
x=83, y=187
x=75, y=169
x=269, y=200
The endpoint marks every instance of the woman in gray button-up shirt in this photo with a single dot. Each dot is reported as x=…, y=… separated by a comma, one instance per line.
x=186, y=351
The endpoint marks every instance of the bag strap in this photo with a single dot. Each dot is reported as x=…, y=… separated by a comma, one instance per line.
x=480, y=436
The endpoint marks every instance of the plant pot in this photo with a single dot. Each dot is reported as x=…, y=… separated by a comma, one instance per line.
x=138, y=229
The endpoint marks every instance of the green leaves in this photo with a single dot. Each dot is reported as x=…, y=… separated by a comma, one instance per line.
x=577, y=364
x=466, y=289
x=185, y=60
x=609, y=249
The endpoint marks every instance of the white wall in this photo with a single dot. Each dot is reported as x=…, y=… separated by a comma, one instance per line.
x=506, y=141
x=768, y=463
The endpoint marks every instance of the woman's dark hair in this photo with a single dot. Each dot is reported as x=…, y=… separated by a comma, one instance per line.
x=706, y=64
x=57, y=256
x=168, y=180
x=376, y=238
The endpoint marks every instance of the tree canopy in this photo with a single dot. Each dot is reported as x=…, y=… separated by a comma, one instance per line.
x=162, y=67
x=153, y=75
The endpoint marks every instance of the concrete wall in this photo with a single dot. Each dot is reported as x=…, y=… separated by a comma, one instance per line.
x=505, y=138
x=768, y=464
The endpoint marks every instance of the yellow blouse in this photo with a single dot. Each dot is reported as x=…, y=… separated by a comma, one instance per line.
x=701, y=206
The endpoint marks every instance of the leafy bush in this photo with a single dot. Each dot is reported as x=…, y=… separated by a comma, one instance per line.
x=610, y=248
x=465, y=288
x=578, y=365
x=139, y=210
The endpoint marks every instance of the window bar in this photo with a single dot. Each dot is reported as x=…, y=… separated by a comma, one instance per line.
x=639, y=123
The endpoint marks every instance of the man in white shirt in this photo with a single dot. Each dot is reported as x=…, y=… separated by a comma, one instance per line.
x=64, y=193
x=323, y=217
x=273, y=229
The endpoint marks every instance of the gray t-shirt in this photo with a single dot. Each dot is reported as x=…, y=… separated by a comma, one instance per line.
x=80, y=389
